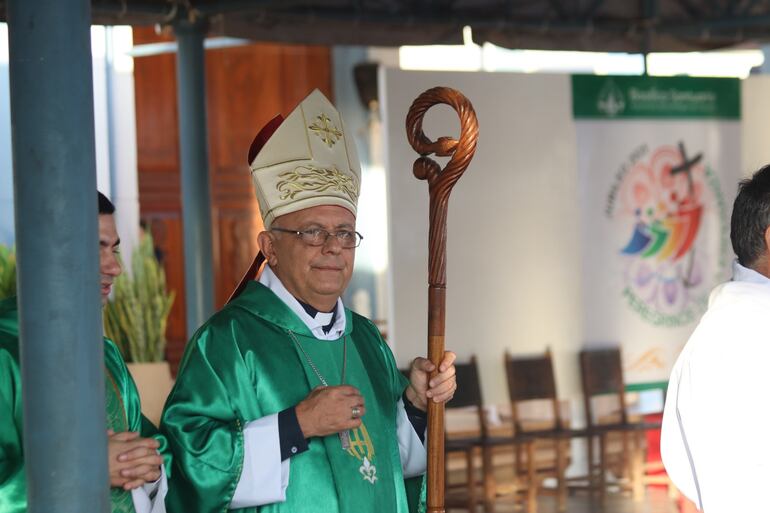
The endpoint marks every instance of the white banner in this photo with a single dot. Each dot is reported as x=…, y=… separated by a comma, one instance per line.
x=656, y=195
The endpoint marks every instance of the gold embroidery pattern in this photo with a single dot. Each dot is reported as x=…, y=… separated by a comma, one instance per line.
x=362, y=449
x=325, y=129
x=361, y=443
x=317, y=179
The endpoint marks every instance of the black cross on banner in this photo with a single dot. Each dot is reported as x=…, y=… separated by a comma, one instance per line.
x=686, y=167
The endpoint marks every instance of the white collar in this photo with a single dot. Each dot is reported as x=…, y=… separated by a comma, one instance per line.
x=741, y=273
x=315, y=325
x=744, y=279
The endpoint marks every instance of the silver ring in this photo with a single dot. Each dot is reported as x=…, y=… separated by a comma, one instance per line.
x=355, y=412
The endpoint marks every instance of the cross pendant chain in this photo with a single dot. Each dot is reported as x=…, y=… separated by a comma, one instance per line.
x=345, y=439
x=344, y=435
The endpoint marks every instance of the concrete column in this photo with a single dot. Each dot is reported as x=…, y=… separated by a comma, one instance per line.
x=54, y=171
x=193, y=150
x=121, y=119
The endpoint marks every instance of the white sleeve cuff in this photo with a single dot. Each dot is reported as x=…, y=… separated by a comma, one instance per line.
x=264, y=477
x=414, y=458
x=150, y=497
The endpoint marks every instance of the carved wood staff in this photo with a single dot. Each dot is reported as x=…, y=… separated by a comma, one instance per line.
x=440, y=183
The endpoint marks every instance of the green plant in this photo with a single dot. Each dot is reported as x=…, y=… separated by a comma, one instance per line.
x=137, y=316
x=7, y=272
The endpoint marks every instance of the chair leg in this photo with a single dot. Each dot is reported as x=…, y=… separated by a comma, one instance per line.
x=470, y=480
x=637, y=468
x=532, y=479
x=602, y=466
x=627, y=462
x=488, y=477
x=561, y=468
x=591, y=469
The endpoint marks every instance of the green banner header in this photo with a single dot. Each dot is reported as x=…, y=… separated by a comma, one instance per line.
x=624, y=97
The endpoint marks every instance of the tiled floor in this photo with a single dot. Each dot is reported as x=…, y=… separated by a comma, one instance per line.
x=656, y=501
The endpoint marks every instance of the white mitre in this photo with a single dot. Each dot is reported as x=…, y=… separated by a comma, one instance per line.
x=307, y=161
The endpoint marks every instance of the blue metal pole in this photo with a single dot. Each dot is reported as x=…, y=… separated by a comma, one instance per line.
x=193, y=150
x=54, y=169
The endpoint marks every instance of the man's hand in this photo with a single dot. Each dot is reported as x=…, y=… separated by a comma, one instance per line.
x=328, y=410
x=422, y=387
x=133, y=460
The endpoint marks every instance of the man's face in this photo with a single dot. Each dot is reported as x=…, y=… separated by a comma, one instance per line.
x=109, y=267
x=316, y=275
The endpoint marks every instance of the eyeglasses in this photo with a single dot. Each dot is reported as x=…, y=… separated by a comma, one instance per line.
x=318, y=236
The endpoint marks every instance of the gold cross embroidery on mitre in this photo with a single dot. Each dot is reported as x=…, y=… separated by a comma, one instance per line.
x=325, y=129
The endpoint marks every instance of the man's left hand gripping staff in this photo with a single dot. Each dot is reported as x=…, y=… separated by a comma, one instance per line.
x=422, y=387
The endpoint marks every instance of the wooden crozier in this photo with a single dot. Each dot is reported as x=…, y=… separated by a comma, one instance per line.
x=440, y=183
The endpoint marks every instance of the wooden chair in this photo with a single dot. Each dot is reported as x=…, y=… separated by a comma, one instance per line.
x=479, y=440
x=532, y=379
x=602, y=376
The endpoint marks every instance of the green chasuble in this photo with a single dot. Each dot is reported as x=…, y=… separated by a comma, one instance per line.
x=123, y=413
x=243, y=365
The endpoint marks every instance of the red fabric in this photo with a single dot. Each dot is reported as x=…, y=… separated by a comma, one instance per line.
x=263, y=136
x=251, y=274
x=653, y=438
x=653, y=443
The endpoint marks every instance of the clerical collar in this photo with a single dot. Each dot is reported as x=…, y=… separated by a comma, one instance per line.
x=325, y=319
x=329, y=327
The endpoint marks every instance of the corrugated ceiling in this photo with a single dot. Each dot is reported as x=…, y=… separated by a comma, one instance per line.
x=600, y=25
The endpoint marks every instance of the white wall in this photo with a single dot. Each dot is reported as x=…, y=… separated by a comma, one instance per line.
x=513, y=255
x=6, y=162
x=513, y=274
x=114, y=127
x=755, y=122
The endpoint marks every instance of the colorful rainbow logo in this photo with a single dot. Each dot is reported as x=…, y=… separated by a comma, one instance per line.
x=663, y=201
x=670, y=238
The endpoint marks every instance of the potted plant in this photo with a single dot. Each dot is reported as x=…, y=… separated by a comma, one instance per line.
x=136, y=318
x=7, y=272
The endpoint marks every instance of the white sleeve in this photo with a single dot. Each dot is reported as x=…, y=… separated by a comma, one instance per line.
x=150, y=497
x=264, y=477
x=674, y=446
x=723, y=455
x=413, y=456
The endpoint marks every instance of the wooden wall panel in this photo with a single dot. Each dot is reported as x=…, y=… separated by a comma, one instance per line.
x=167, y=236
x=237, y=231
x=159, y=187
x=245, y=87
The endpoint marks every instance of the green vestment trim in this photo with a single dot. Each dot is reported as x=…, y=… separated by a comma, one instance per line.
x=13, y=486
x=123, y=413
x=243, y=365
x=120, y=499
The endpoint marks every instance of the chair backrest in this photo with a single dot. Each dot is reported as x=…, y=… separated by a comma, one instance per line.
x=468, y=391
x=529, y=379
x=601, y=372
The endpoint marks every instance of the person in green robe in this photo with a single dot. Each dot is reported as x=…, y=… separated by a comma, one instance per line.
x=137, y=475
x=286, y=401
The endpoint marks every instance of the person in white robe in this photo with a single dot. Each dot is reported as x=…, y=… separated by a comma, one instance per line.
x=714, y=442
